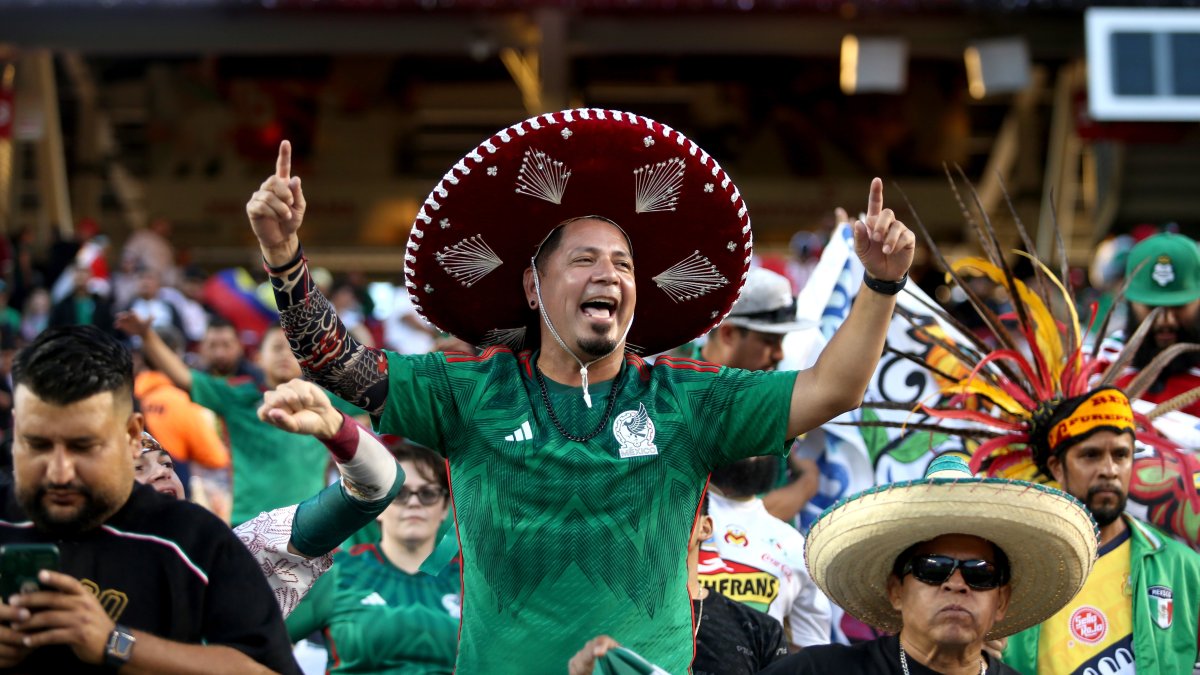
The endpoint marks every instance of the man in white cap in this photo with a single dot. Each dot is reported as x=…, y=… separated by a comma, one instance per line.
x=753, y=557
x=945, y=563
x=573, y=511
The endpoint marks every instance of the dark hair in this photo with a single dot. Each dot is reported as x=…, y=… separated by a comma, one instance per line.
x=1000, y=560
x=216, y=321
x=554, y=239
x=550, y=245
x=427, y=461
x=71, y=363
x=704, y=504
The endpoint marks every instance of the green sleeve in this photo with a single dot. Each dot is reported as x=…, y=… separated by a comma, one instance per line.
x=314, y=611
x=325, y=520
x=215, y=393
x=749, y=415
x=421, y=403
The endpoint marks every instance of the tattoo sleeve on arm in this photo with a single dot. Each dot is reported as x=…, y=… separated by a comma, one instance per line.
x=328, y=355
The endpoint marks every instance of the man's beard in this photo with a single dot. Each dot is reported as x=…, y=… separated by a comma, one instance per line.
x=747, y=477
x=1105, y=515
x=90, y=515
x=597, y=346
x=1150, y=348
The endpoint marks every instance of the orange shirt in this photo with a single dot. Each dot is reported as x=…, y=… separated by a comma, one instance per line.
x=184, y=429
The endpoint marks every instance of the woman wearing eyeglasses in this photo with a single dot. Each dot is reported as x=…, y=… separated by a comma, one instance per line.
x=378, y=612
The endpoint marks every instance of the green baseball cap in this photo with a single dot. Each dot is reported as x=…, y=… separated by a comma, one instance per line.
x=1171, y=275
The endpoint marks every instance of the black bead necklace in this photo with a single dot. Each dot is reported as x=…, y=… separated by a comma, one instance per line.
x=612, y=400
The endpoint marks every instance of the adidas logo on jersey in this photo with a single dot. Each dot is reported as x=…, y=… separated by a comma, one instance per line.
x=524, y=433
x=374, y=600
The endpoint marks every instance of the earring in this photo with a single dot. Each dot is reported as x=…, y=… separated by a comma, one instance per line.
x=533, y=304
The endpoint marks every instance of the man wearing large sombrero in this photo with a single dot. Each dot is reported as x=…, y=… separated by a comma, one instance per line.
x=945, y=563
x=576, y=467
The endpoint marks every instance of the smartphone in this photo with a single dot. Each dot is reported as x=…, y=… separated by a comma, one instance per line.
x=20, y=564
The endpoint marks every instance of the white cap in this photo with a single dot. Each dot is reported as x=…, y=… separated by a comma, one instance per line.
x=767, y=304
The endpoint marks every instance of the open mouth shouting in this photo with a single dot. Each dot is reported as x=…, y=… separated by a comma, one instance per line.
x=600, y=309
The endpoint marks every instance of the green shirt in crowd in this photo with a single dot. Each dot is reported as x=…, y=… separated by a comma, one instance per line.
x=564, y=540
x=271, y=467
x=377, y=618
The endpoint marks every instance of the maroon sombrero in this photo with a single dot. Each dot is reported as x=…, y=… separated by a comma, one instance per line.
x=475, y=234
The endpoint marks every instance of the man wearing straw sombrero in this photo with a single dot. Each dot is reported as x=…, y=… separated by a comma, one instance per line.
x=944, y=563
x=576, y=467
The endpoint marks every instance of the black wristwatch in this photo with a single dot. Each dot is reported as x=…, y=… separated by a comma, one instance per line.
x=119, y=648
x=885, y=287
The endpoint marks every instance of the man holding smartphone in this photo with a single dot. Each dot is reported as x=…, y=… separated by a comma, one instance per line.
x=146, y=584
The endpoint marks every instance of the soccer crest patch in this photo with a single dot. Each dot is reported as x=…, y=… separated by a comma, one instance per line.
x=1164, y=271
x=1162, y=606
x=634, y=430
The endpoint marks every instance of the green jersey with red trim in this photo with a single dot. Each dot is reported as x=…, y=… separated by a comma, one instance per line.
x=564, y=540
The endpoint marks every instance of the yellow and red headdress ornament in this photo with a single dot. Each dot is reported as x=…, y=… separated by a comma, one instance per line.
x=1031, y=386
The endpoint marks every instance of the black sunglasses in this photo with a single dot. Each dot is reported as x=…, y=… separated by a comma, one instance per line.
x=936, y=569
x=427, y=495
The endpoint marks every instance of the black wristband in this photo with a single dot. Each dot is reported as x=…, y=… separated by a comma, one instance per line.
x=885, y=287
x=287, y=265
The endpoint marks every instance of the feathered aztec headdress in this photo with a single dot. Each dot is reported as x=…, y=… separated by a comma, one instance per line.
x=1039, y=386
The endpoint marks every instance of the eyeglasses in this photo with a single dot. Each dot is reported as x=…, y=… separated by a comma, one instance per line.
x=936, y=569
x=427, y=495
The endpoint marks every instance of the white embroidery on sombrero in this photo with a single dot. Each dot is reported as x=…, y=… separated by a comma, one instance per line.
x=690, y=278
x=657, y=186
x=424, y=217
x=567, y=133
x=509, y=337
x=428, y=288
x=492, y=171
x=648, y=141
x=731, y=246
x=469, y=260
x=445, y=223
x=708, y=187
x=542, y=176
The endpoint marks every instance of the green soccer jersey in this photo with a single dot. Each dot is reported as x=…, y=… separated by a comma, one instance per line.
x=271, y=467
x=563, y=540
x=378, y=618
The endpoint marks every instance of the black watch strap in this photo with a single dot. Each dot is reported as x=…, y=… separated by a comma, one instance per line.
x=119, y=648
x=885, y=287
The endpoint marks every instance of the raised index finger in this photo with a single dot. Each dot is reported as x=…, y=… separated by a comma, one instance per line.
x=875, y=201
x=283, y=165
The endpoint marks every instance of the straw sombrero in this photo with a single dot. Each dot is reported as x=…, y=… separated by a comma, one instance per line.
x=475, y=234
x=1049, y=537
